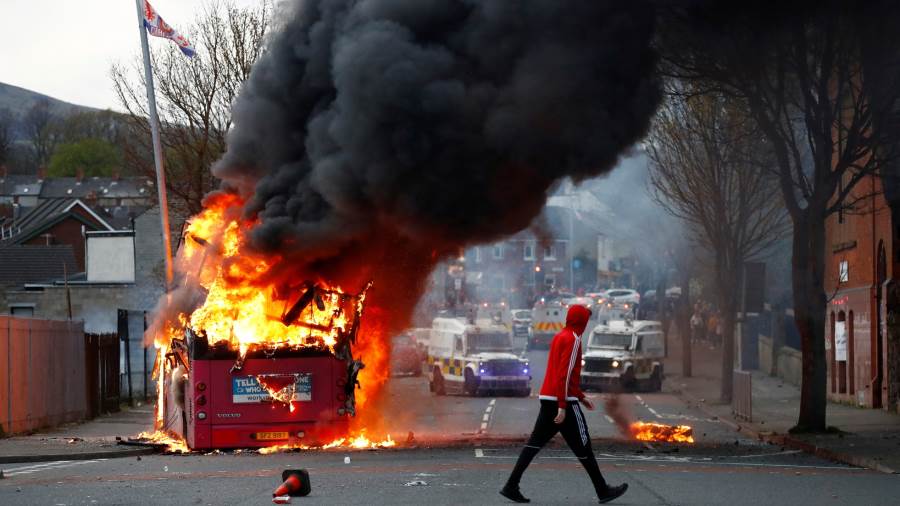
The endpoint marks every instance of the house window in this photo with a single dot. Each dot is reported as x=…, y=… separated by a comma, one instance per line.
x=550, y=252
x=477, y=254
x=529, y=251
x=22, y=310
x=549, y=280
x=498, y=252
x=843, y=271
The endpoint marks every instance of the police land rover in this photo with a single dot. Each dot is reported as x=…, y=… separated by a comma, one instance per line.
x=624, y=355
x=475, y=356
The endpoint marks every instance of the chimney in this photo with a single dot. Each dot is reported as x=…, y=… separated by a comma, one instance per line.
x=42, y=173
x=79, y=174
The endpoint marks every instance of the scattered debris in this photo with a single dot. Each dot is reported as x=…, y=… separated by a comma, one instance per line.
x=347, y=459
x=415, y=483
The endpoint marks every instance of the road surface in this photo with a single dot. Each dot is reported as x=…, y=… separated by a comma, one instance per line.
x=721, y=468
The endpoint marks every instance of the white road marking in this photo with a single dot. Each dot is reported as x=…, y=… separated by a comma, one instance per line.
x=609, y=419
x=486, y=418
x=789, y=452
x=677, y=460
x=55, y=462
x=479, y=453
x=48, y=466
x=653, y=411
x=638, y=397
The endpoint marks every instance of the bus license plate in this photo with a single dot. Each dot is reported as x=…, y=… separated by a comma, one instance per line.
x=271, y=436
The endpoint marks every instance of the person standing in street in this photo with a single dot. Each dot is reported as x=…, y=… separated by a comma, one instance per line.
x=560, y=411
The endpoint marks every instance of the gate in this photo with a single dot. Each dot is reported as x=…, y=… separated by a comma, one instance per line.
x=102, y=372
x=742, y=395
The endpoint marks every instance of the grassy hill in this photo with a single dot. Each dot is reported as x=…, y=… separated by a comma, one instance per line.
x=19, y=100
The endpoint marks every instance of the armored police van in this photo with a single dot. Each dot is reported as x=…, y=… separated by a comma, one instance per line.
x=473, y=357
x=624, y=355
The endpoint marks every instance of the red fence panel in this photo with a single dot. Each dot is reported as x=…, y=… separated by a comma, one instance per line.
x=42, y=382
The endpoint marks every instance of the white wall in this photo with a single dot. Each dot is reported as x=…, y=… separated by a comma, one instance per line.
x=110, y=259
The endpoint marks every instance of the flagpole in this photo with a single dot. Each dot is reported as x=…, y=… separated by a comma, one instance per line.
x=157, y=147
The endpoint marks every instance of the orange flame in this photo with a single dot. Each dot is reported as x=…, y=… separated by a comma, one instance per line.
x=358, y=442
x=174, y=445
x=249, y=303
x=648, y=431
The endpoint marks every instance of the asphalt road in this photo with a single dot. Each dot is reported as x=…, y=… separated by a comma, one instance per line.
x=721, y=468
x=432, y=417
x=451, y=477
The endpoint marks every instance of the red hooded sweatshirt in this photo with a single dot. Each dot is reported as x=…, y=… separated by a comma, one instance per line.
x=562, y=382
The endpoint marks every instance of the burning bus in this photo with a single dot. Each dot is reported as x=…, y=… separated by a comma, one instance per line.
x=300, y=393
x=250, y=357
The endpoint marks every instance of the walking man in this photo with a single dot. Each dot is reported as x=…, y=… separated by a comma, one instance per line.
x=560, y=412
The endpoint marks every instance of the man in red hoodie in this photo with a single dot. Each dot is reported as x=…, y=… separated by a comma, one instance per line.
x=560, y=412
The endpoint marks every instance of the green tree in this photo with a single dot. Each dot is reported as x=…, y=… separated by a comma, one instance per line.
x=96, y=157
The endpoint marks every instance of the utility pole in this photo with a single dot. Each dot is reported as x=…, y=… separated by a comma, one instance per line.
x=157, y=148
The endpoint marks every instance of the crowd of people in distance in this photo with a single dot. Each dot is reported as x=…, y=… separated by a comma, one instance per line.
x=706, y=324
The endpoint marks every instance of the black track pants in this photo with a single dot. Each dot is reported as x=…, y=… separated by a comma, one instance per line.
x=574, y=430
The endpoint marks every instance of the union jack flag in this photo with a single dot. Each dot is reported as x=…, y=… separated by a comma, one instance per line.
x=158, y=28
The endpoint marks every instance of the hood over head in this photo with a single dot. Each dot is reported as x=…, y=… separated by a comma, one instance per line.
x=577, y=318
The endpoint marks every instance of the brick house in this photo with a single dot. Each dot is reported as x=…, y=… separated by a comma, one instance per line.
x=860, y=262
x=520, y=268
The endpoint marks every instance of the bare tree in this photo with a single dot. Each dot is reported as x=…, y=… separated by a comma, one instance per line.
x=709, y=170
x=194, y=97
x=41, y=127
x=7, y=121
x=803, y=76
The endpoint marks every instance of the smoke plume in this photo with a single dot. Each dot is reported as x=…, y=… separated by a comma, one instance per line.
x=374, y=137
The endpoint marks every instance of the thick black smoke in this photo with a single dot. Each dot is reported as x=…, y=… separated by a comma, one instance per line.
x=432, y=123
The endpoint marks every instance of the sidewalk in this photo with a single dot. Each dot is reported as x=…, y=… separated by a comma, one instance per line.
x=94, y=439
x=870, y=438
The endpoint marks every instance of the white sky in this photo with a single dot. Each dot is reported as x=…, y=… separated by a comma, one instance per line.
x=64, y=48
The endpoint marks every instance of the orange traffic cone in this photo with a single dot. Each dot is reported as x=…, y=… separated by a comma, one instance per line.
x=296, y=483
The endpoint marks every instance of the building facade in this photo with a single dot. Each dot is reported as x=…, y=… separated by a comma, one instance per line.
x=860, y=263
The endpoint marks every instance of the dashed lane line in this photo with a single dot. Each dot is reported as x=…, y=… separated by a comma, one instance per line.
x=486, y=418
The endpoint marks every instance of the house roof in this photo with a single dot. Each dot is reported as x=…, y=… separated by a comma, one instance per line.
x=20, y=185
x=51, y=212
x=100, y=187
x=20, y=264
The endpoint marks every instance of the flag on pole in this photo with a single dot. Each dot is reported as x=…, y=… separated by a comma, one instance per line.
x=158, y=28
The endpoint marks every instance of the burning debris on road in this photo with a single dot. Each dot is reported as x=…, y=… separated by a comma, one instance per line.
x=648, y=431
x=644, y=431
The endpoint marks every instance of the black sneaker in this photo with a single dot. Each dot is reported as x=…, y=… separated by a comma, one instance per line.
x=613, y=493
x=514, y=495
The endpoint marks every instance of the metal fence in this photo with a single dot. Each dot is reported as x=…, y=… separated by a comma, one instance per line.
x=741, y=396
x=42, y=376
x=101, y=353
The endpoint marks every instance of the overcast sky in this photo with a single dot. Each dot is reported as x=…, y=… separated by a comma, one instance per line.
x=64, y=48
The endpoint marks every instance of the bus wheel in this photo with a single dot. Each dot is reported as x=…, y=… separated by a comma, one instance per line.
x=470, y=387
x=437, y=383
